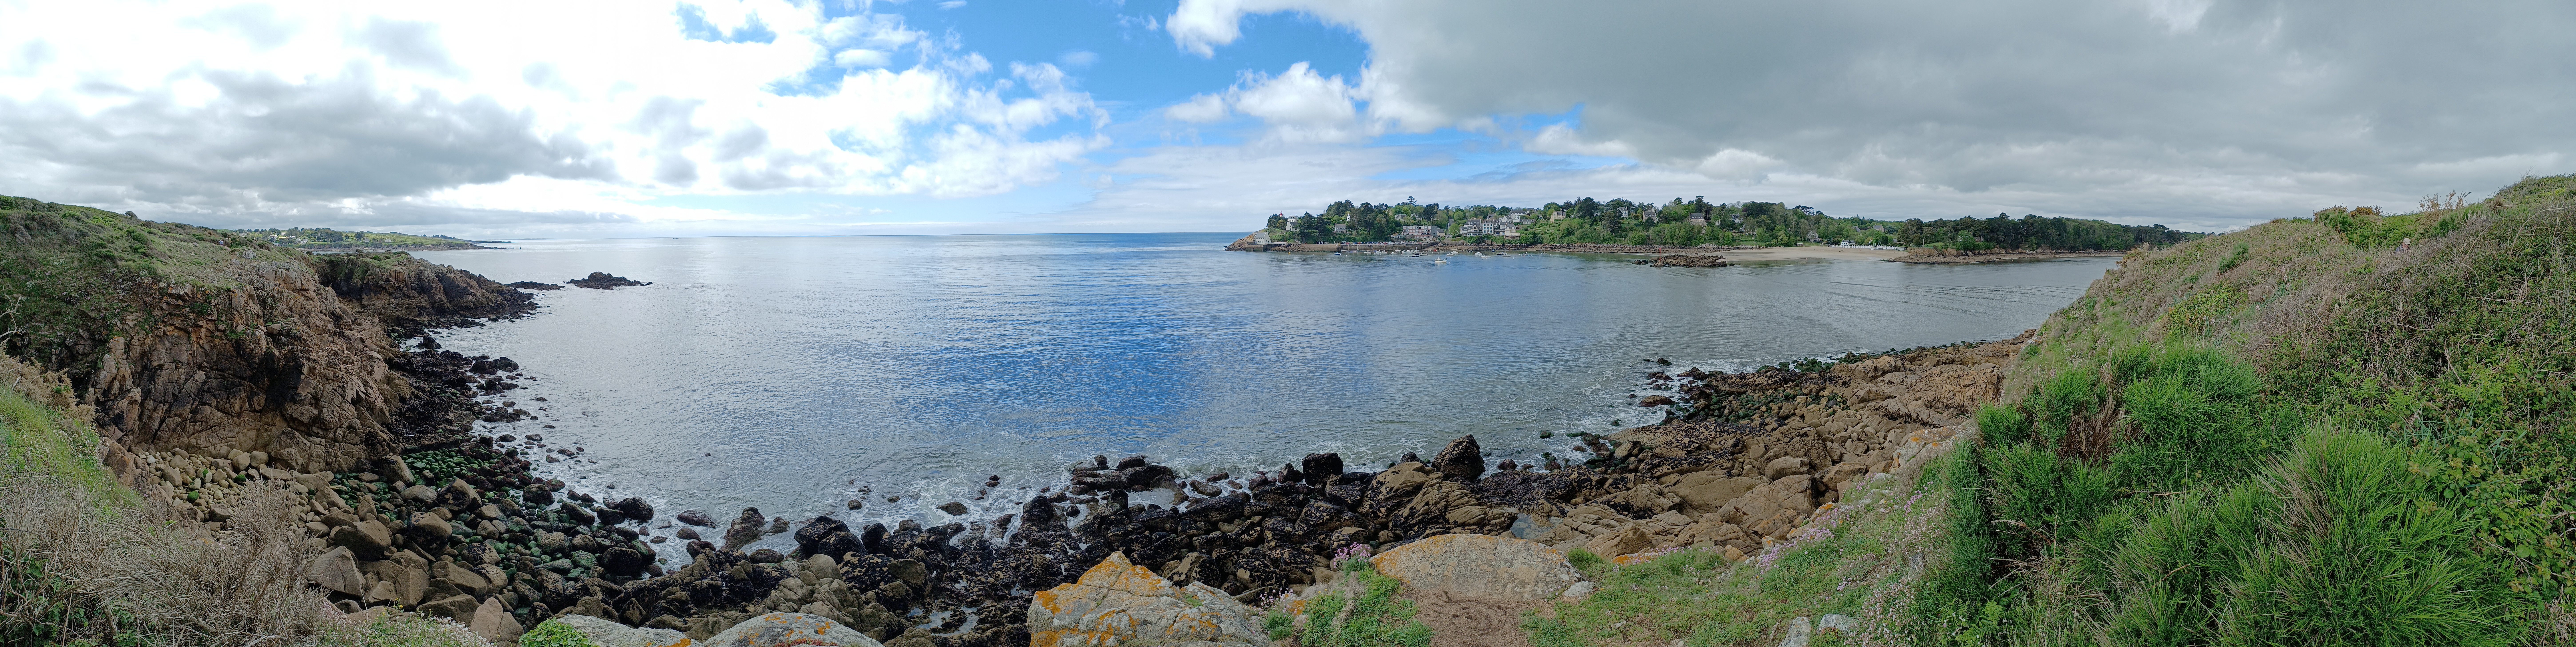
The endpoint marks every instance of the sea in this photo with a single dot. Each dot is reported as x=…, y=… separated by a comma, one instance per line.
x=794, y=374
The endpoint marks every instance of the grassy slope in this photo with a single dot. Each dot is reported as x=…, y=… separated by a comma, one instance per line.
x=70, y=267
x=2296, y=433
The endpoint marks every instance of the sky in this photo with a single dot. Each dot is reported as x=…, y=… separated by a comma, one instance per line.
x=599, y=119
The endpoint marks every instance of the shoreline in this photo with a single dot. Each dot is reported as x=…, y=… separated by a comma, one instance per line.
x=1999, y=257
x=1737, y=252
x=466, y=525
x=1252, y=536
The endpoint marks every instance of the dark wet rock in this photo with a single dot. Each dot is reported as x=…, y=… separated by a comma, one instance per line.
x=1321, y=468
x=1146, y=476
x=623, y=561
x=610, y=516
x=1132, y=462
x=576, y=514
x=603, y=281
x=827, y=536
x=953, y=508
x=1461, y=460
x=1348, y=489
x=635, y=508
x=687, y=533
x=533, y=285
x=1655, y=401
x=697, y=518
x=767, y=556
x=745, y=529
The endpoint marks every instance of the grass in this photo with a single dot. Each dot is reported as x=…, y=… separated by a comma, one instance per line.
x=1365, y=613
x=553, y=634
x=1854, y=561
x=2337, y=430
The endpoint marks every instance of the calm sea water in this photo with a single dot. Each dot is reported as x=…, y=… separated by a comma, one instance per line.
x=788, y=373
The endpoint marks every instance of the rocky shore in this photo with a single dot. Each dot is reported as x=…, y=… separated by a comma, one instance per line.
x=463, y=530
x=291, y=381
x=1685, y=260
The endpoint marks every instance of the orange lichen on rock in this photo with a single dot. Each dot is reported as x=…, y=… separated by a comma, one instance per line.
x=1120, y=603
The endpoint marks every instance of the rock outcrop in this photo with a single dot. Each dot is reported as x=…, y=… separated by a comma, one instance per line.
x=1481, y=566
x=1121, y=604
x=606, y=633
x=791, y=630
x=198, y=340
x=411, y=296
x=603, y=281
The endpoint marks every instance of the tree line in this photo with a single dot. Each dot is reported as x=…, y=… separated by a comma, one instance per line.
x=1697, y=221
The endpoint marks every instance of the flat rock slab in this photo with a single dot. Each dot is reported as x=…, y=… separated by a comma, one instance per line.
x=1483, y=566
x=786, y=629
x=608, y=633
x=1121, y=604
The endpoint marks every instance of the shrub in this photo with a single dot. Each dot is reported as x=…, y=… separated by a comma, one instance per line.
x=556, y=634
x=1584, y=560
x=2002, y=423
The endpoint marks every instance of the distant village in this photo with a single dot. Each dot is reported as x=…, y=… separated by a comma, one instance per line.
x=1692, y=222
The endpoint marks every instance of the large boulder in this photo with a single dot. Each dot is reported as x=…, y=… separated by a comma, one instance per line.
x=1321, y=468
x=337, y=570
x=790, y=629
x=1705, y=492
x=494, y=623
x=745, y=529
x=1772, y=508
x=1118, y=603
x=827, y=536
x=635, y=509
x=368, y=540
x=1482, y=566
x=1462, y=459
x=607, y=633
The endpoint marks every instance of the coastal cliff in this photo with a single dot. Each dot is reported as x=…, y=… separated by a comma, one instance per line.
x=194, y=339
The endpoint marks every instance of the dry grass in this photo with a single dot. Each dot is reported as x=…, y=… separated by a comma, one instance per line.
x=162, y=581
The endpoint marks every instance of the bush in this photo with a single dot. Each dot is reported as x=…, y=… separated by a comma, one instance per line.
x=2002, y=423
x=1583, y=560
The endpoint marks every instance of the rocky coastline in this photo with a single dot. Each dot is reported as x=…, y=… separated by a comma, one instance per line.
x=1740, y=461
x=460, y=527
x=288, y=377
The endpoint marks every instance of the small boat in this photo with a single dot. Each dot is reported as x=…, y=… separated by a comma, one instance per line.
x=1440, y=260
x=1417, y=254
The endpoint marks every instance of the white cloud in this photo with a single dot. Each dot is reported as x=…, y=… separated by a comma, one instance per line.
x=856, y=57
x=1299, y=105
x=2098, y=109
x=216, y=110
x=1199, y=109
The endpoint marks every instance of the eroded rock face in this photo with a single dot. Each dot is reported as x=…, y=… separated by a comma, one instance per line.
x=1482, y=566
x=1119, y=603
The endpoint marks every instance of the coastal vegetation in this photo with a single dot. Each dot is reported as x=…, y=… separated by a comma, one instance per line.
x=325, y=238
x=2341, y=429
x=1697, y=222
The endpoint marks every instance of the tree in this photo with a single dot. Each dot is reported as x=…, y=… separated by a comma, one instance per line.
x=1277, y=221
